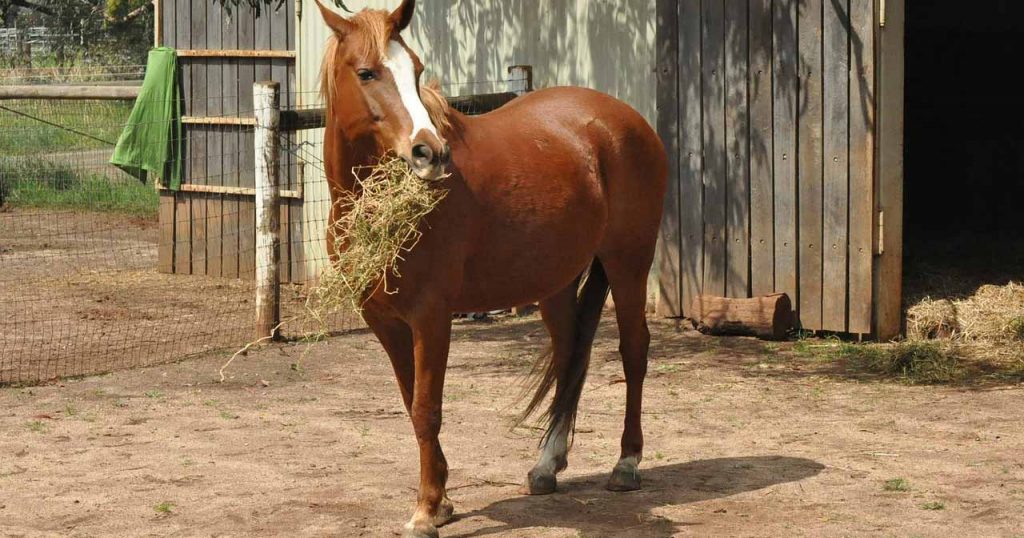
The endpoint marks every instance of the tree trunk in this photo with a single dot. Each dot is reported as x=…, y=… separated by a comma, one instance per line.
x=768, y=317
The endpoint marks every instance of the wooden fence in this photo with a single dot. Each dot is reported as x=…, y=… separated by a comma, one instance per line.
x=768, y=110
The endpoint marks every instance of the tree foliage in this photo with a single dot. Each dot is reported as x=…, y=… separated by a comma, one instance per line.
x=112, y=30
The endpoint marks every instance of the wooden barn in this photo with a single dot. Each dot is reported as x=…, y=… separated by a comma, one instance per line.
x=208, y=226
x=784, y=120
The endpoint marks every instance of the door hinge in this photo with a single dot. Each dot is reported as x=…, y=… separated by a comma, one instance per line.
x=881, y=13
x=881, y=232
x=298, y=9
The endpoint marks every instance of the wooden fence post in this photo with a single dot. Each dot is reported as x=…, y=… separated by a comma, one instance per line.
x=267, y=101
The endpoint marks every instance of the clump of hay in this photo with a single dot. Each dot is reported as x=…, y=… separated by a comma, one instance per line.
x=931, y=319
x=987, y=324
x=380, y=222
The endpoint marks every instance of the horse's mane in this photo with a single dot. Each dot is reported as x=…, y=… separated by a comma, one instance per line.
x=375, y=26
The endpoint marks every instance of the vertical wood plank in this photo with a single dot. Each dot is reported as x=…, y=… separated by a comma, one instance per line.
x=165, y=244
x=284, y=270
x=229, y=145
x=715, y=180
x=230, y=234
x=888, y=283
x=784, y=146
x=669, y=278
x=809, y=166
x=214, y=235
x=168, y=21
x=737, y=137
x=247, y=238
x=836, y=96
x=691, y=192
x=762, y=226
x=199, y=233
x=298, y=255
x=183, y=234
x=246, y=79
x=862, y=162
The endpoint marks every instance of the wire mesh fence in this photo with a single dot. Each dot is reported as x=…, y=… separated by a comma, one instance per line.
x=100, y=272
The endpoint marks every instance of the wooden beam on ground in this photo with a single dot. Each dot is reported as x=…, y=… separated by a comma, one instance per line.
x=768, y=317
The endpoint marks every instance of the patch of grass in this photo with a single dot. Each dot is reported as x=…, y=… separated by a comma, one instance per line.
x=228, y=415
x=26, y=136
x=70, y=410
x=38, y=426
x=164, y=508
x=896, y=484
x=934, y=505
x=154, y=394
x=915, y=362
x=40, y=184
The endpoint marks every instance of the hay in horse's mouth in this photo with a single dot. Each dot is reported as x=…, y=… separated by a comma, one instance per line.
x=377, y=227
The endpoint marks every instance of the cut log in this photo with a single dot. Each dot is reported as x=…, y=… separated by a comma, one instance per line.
x=768, y=317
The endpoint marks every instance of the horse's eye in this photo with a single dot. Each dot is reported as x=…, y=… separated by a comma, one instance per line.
x=366, y=75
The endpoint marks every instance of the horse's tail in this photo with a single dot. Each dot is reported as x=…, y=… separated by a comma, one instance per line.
x=545, y=375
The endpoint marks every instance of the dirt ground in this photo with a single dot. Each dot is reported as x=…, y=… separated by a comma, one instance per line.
x=743, y=439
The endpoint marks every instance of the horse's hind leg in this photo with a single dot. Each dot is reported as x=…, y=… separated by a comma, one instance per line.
x=559, y=314
x=627, y=276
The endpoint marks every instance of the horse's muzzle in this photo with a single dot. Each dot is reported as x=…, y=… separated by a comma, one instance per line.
x=429, y=163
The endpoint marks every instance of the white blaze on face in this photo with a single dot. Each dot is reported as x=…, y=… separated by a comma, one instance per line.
x=404, y=72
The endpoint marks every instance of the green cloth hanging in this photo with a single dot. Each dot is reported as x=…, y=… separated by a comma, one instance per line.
x=152, y=141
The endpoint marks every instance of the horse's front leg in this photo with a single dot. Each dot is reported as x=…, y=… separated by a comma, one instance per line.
x=431, y=338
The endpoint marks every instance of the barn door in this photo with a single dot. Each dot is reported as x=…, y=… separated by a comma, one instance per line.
x=767, y=108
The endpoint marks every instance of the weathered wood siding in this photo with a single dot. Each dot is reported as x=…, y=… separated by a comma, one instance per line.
x=769, y=115
x=214, y=233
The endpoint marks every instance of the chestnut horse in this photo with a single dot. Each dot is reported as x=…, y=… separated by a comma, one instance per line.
x=553, y=185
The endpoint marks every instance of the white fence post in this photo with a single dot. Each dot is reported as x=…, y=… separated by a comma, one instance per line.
x=267, y=101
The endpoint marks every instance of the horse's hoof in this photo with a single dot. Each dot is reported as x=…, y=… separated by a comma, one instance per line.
x=445, y=511
x=625, y=477
x=540, y=484
x=420, y=530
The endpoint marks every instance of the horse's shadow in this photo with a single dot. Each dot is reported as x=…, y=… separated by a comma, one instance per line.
x=583, y=504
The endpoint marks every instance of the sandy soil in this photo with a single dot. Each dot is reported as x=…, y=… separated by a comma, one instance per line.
x=742, y=440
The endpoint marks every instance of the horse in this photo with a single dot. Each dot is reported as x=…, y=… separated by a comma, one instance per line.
x=554, y=198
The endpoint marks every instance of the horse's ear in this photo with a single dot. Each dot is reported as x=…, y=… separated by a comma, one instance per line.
x=401, y=17
x=336, y=22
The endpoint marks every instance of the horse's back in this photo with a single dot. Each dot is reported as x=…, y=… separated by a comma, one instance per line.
x=628, y=156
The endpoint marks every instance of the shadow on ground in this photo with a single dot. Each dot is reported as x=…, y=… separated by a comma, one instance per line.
x=583, y=504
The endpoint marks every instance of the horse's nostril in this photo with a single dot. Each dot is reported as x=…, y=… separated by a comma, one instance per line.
x=422, y=155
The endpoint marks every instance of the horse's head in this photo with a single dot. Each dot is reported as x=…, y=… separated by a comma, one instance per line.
x=369, y=67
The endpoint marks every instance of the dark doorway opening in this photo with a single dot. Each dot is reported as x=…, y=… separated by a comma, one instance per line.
x=964, y=152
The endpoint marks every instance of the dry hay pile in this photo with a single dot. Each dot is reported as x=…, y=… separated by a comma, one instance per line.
x=377, y=227
x=988, y=324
